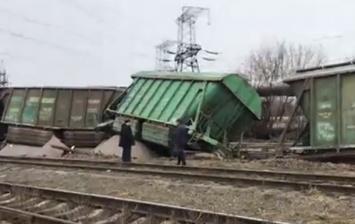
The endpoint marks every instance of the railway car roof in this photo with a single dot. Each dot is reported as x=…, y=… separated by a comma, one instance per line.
x=210, y=76
x=234, y=82
x=68, y=87
x=323, y=71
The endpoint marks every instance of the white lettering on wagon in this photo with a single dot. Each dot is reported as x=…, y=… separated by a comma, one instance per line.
x=325, y=130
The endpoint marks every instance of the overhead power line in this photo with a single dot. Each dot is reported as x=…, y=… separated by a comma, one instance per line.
x=328, y=38
x=44, y=42
x=47, y=25
x=75, y=5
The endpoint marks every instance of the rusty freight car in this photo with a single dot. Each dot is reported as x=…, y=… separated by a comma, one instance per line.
x=33, y=114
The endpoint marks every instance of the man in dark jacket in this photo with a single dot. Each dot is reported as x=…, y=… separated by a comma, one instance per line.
x=126, y=141
x=181, y=139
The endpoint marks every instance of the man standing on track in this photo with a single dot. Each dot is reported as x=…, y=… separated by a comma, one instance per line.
x=126, y=141
x=181, y=139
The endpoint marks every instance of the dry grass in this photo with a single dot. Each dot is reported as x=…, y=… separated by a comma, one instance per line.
x=277, y=204
x=273, y=164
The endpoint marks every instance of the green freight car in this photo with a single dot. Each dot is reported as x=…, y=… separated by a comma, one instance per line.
x=216, y=107
x=327, y=97
x=33, y=114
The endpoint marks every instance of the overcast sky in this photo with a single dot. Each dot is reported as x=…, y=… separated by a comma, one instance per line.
x=102, y=42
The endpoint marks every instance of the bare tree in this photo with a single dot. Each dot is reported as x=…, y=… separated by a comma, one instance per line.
x=270, y=64
x=273, y=63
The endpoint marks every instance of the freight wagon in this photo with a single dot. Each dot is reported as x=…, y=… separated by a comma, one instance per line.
x=326, y=96
x=31, y=115
x=216, y=107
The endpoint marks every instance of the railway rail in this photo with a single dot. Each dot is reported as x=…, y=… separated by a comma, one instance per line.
x=295, y=180
x=20, y=204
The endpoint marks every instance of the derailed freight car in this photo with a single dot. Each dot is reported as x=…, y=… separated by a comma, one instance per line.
x=33, y=114
x=216, y=107
x=326, y=96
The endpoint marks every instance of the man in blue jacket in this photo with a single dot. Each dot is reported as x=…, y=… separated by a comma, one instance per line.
x=181, y=139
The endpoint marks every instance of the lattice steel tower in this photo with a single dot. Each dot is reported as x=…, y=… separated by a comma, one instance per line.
x=186, y=55
x=4, y=82
x=181, y=55
x=165, y=53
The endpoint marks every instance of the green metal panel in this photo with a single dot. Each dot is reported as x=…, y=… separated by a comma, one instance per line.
x=245, y=93
x=177, y=93
x=152, y=109
x=218, y=110
x=62, y=110
x=146, y=97
x=93, y=111
x=120, y=120
x=306, y=103
x=77, y=113
x=156, y=134
x=348, y=109
x=46, y=108
x=14, y=107
x=303, y=88
x=130, y=100
x=222, y=112
x=30, y=110
x=158, y=99
x=325, y=112
x=184, y=103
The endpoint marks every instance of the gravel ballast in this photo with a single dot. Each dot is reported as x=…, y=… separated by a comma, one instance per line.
x=280, y=164
x=274, y=204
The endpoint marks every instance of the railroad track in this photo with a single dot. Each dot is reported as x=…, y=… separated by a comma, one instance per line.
x=20, y=204
x=295, y=180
